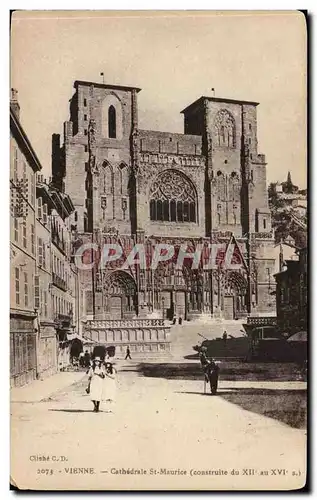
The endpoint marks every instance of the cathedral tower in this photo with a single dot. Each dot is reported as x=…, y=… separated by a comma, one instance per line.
x=95, y=160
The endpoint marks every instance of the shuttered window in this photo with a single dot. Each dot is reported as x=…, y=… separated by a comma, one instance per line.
x=40, y=252
x=26, y=290
x=17, y=286
x=36, y=292
x=32, y=239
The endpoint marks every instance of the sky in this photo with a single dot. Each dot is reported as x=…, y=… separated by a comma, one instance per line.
x=175, y=58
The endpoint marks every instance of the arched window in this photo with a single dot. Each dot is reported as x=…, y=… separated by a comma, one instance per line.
x=111, y=117
x=225, y=129
x=123, y=178
x=173, y=198
x=220, y=186
x=234, y=187
x=106, y=179
x=112, y=126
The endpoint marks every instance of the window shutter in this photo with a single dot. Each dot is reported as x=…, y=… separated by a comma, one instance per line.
x=43, y=255
x=36, y=292
x=45, y=213
x=39, y=208
x=40, y=252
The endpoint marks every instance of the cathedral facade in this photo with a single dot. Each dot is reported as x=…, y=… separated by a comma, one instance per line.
x=132, y=186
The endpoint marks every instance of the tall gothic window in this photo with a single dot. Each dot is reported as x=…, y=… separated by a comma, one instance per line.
x=112, y=126
x=234, y=187
x=106, y=179
x=221, y=186
x=225, y=129
x=173, y=198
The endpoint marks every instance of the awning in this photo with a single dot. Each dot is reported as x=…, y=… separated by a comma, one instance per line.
x=75, y=336
x=298, y=337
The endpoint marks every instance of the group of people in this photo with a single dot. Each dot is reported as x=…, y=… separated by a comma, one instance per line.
x=102, y=383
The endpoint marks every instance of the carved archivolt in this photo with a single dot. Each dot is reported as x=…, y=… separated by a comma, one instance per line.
x=120, y=283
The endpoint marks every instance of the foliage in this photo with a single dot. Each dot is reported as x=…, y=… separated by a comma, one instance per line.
x=282, y=221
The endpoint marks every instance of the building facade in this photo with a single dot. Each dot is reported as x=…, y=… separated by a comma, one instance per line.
x=57, y=291
x=47, y=346
x=23, y=315
x=291, y=294
x=131, y=186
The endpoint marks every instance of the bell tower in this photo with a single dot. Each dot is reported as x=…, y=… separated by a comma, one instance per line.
x=97, y=155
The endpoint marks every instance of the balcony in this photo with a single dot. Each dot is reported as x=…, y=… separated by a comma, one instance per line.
x=58, y=241
x=59, y=282
x=64, y=321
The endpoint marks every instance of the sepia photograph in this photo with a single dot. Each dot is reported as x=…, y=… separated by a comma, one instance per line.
x=158, y=250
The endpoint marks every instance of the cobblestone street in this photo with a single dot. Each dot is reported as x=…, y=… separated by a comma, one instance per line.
x=156, y=424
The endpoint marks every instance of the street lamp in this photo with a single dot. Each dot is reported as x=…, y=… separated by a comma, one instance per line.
x=163, y=303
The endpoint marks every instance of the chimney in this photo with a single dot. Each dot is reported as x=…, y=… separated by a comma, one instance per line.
x=14, y=103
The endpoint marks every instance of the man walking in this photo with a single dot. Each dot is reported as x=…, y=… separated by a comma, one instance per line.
x=128, y=355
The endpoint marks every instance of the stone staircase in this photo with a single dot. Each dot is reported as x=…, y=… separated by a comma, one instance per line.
x=184, y=337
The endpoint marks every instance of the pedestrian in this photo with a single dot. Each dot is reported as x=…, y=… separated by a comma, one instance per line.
x=224, y=337
x=86, y=359
x=213, y=375
x=96, y=375
x=128, y=354
x=180, y=320
x=81, y=359
x=204, y=361
x=110, y=384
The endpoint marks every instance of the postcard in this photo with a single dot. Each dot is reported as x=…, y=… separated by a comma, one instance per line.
x=158, y=250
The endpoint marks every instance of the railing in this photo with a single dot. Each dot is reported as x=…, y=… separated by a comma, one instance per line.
x=139, y=339
x=262, y=321
x=56, y=239
x=59, y=282
x=241, y=314
x=267, y=236
x=124, y=323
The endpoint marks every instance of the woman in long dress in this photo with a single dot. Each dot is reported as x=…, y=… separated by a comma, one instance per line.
x=110, y=384
x=96, y=377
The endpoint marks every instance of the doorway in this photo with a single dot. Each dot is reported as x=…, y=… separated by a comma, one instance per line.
x=116, y=307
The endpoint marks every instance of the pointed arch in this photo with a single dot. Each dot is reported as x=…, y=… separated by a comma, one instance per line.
x=112, y=122
x=234, y=186
x=112, y=117
x=173, y=198
x=123, y=171
x=225, y=129
x=221, y=186
x=106, y=178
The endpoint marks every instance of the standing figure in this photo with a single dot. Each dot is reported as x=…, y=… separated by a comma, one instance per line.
x=81, y=359
x=110, y=384
x=128, y=354
x=213, y=375
x=86, y=359
x=96, y=375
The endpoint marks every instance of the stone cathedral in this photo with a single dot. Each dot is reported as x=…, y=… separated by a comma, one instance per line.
x=130, y=185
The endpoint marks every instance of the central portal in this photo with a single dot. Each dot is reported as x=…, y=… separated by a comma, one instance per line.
x=116, y=307
x=120, y=295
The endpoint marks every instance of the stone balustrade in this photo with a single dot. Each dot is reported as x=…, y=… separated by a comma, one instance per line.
x=141, y=335
x=124, y=323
